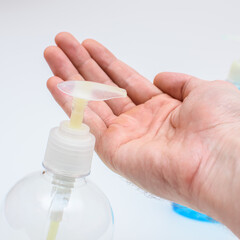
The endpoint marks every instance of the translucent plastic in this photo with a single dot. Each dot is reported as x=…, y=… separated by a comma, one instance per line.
x=29, y=207
x=234, y=74
x=91, y=90
x=83, y=91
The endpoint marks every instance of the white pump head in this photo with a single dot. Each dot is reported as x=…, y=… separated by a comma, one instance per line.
x=70, y=146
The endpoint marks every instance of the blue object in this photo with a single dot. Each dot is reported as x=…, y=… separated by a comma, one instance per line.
x=237, y=85
x=189, y=213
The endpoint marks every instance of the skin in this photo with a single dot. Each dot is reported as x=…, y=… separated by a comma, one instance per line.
x=176, y=138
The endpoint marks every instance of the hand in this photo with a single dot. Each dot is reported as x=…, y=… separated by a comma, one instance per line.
x=170, y=138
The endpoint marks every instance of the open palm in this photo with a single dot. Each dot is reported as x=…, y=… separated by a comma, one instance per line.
x=163, y=136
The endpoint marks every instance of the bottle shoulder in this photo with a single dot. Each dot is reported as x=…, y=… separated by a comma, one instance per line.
x=42, y=184
x=34, y=199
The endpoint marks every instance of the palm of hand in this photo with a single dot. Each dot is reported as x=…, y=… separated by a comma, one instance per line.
x=159, y=136
x=161, y=144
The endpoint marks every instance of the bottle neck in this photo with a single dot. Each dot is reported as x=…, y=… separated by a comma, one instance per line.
x=63, y=181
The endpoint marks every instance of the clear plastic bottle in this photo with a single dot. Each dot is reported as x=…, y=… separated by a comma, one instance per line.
x=60, y=203
x=30, y=205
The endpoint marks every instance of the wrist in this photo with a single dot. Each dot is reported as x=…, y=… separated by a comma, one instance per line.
x=220, y=181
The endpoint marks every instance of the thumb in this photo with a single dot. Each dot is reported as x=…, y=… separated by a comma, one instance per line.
x=177, y=85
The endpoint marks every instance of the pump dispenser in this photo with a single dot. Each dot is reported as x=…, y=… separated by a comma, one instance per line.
x=70, y=146
x=61, y=203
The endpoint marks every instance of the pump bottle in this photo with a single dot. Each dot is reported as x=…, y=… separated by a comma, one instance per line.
x=60, y=202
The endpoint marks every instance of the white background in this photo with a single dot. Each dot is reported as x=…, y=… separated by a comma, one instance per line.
x=197, y=37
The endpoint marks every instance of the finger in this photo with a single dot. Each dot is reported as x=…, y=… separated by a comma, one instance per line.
x=100, y=108
x=60, y=65
x=62, y=99
x=92, y=119
x=139, y=88
x=95, y=123
x=177, y=85
x=104, y=112
x=89, y=69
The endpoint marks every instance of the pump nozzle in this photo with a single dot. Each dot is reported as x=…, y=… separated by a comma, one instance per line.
x=76, y=119
x=83, y=91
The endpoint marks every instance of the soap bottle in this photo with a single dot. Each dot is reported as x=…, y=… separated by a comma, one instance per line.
x=60, y=202
x=234, y=74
